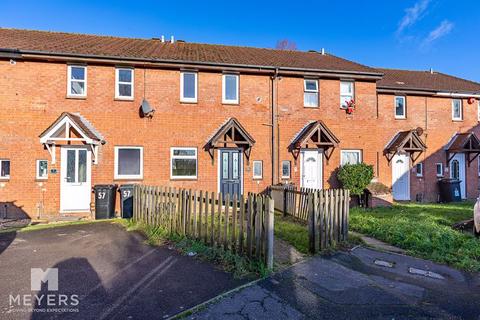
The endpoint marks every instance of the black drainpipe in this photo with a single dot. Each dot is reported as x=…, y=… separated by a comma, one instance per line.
x=274, y=126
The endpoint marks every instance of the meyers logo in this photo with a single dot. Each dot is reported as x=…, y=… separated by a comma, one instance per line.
x=47, y=298
x=49, y=276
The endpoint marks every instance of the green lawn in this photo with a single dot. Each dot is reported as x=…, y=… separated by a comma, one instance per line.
x=423, y=230
x=292, y=231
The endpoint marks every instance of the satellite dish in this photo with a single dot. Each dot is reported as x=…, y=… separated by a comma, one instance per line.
x=419, y=131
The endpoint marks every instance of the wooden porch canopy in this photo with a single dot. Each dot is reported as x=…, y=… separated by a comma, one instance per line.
x=314, y=134
x=467, y=143
x=405, y=141
x=71, y=128
x=230, y=134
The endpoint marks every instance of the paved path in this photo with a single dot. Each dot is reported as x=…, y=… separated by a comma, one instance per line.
x=363, y=284
x=113, y=272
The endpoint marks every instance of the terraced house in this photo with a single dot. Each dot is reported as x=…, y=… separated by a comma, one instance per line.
x=78, y=110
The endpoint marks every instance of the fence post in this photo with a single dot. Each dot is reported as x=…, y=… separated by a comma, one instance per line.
x=284, y=201
x=270, y=230
x=311, y=223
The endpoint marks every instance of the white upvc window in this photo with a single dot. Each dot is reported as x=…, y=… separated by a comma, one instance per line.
x=230, y=88
x=350, y=157
x=188, y=87
x=310, y=93
x=183, y=163
x=77, y=81
x=478, y=110
x=457, y=112
x=347, y=92
x=400, y=107
x=286, y=169
x=439, y=169
x=42, y=169
x=128, y=163
x=4, y=169
x=258, y=169
x=124, y=83
x=419, y=170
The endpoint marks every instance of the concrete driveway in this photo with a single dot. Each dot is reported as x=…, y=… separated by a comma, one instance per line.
x=104, y=272
x=362, y=284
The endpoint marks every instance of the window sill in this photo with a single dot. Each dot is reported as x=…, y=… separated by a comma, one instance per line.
x=400, y=118
x=76, y=97
x=307, y=107
x=257, y=178
x=41, y=179
x=123, y=99
x=128, y=178
x=457, y=120
x=188, y=102
x=183, y=178
x=4, y=179
x=233, y=103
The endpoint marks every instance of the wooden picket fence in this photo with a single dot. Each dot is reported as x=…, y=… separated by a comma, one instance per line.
x=243, y=225
x=326, y=212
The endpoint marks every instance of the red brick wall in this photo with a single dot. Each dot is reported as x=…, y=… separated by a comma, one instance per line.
x=33, y=95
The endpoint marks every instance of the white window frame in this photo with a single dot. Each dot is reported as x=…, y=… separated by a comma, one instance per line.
x=172, y=157
x=453, y=110
x=419, y=174
x=439, y=165
x=5, y=177
x=289, y=169
x=186, y=99
x=224, y=88
x=404, y=116
x=360, y=158
x=257, y=177
x=342, y=101
x=305, y=90
x=127, y=176
x=69, y=81
x=478, y=110
x=38, y=177
x=118, y=83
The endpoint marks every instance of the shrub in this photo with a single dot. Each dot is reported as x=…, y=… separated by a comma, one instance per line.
x=355, y=177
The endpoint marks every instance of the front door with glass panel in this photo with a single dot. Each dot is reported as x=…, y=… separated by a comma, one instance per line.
x=457, y=171
x=231, y=172
x=75, y=179
x=401, y=177
x=311, y=169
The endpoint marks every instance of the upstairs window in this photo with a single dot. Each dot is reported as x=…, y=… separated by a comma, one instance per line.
x=457, y=112
x=310, y=93
x=400, y=107
x=350, y=157
x=42, y=169
x=124, y=83
x=4, y=169
x=77, y=81
x=346, y=92
x=230, y=89
x=128, y=162
x=188, y=87
x=183, y=163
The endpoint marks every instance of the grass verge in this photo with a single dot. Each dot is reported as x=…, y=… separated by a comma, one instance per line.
x=42, y=226
x=238, y=265
x=423, y=230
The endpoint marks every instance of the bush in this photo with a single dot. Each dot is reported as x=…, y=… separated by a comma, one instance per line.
x=355, y=177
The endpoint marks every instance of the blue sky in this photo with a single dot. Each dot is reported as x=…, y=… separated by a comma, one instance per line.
x=417, y=34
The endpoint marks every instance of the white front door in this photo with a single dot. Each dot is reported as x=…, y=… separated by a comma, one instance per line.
x=457, y=171
x=311, y=169
x=401, y=177
x=75, y=179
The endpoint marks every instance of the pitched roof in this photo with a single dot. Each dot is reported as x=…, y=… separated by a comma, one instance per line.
x=151, y=49
x=425, y=80
x=82, y=123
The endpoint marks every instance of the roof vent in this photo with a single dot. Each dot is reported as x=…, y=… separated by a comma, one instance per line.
x=431, y=70
x=399, y=82
x=163, y=38
x=172, y=39
x=323, y=51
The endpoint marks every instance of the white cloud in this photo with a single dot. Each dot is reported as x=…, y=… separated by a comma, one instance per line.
x=442, y=30
x=413, y=14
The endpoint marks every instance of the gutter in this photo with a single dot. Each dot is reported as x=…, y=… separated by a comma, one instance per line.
x=28, y=54
x=431, y=92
